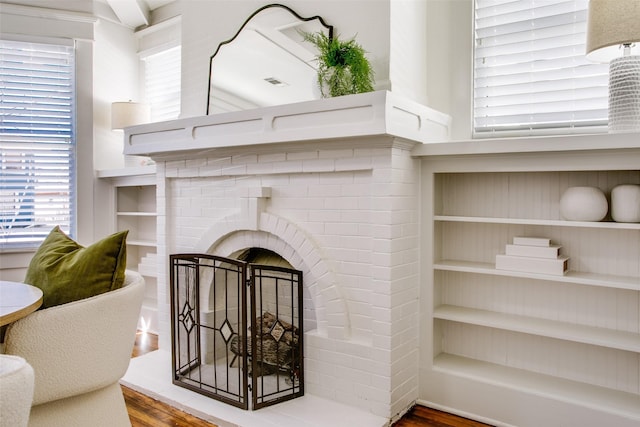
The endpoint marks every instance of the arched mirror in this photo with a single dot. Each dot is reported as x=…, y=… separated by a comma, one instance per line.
x=266, y=62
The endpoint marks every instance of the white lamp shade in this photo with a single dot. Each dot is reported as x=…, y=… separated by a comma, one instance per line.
x=125, y=114
x=610, y=24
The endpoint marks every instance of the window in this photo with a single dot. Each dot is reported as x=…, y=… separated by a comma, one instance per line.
x=162, y=84
x=37, y=142
x=530, y=70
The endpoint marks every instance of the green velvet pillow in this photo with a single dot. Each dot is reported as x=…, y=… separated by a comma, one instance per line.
x=67, y=271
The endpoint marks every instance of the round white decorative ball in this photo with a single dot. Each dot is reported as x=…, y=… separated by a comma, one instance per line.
x=625, y=203
x=583, y=204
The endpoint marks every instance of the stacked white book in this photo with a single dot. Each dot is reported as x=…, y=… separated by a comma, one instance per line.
x=533, y=255
x=148, y=265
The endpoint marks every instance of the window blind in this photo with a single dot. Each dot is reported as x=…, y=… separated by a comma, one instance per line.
x=37, y=142
x=530, y=71
x=162, y=84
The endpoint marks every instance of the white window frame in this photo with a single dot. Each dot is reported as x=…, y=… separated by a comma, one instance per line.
x=51, y=149
x=506, y=104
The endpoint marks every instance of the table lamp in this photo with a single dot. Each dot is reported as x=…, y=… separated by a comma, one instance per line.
x=613, y=34
x=125, y=114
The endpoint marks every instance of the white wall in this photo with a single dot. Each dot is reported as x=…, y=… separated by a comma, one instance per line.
x=449, y=53
x=116, y=73
x=407, y=66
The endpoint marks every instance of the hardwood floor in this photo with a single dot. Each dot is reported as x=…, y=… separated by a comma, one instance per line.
x=145, y=411
x=420, y=416
x=144, y=344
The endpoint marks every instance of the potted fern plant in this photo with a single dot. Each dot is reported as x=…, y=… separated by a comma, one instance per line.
x=343, y=67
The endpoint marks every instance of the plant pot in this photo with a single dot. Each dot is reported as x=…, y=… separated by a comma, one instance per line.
x=336, y=82
x=343, y=68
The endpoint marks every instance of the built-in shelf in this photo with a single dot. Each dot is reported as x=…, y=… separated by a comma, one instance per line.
x=543, y=222
x=621, y=340
x=580, y=278
x=135, y=209
x=148, y=265
x=149, y=214
x=132, y=171
x=570, y=341
x=605, y=399
x=146, y=243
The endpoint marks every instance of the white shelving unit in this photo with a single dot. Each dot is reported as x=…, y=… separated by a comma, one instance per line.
x=568, y=345
x=134, y=205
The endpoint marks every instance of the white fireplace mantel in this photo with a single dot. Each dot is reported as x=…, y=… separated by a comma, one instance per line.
x=363, y=115
x=325, y=166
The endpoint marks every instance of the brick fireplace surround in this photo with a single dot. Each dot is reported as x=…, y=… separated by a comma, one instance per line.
x=331, y=186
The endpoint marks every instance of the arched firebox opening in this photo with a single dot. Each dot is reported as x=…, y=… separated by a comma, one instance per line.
x=256, y=255
x=325, y=308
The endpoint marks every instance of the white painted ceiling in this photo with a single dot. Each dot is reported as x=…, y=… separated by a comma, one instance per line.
x=154, y=4
x=135, y=13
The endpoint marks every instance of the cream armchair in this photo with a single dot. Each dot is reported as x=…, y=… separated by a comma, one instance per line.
x=79, y=351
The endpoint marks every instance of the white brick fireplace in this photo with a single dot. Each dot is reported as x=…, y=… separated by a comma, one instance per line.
x=330, y=186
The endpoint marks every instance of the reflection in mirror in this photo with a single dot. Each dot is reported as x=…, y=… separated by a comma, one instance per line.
x=266, y=63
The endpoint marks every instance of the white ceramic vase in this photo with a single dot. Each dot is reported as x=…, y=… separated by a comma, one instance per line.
x=625, y=203
x=583, y=204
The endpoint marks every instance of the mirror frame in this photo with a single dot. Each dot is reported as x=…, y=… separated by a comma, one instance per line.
x=294, y=13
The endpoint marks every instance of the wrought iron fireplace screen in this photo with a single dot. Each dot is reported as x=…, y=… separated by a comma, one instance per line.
x=236, y=327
